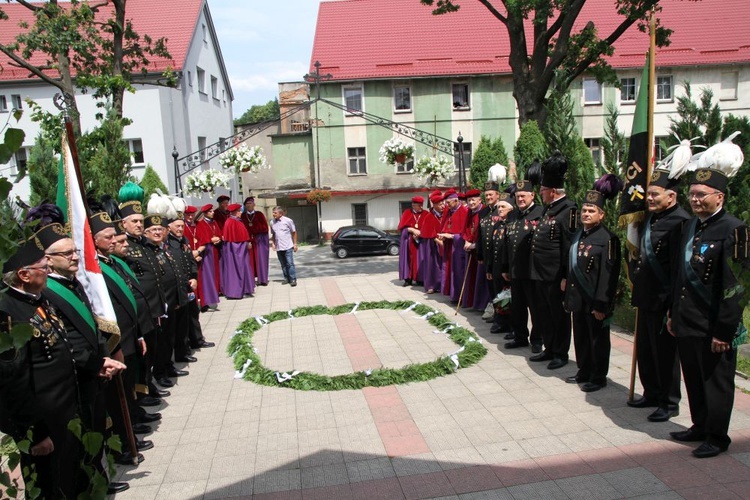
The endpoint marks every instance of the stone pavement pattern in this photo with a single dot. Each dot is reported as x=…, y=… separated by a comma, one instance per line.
x=503, y=428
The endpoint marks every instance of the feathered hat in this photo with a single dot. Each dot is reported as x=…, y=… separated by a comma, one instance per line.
x=553, y=171
x=131, y=191
x=532, y=178
x=718, y=164
x=497, y=174
x=605, y=188
x=51, y=225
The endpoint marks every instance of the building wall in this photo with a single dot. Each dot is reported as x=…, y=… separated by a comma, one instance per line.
x=383, y=210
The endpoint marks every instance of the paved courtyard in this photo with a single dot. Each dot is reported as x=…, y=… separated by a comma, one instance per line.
x=503, y=428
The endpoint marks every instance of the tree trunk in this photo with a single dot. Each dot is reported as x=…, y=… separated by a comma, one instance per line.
x=118, y=33
x=67, y=87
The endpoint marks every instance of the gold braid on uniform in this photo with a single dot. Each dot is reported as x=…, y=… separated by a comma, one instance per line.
x=111, y=328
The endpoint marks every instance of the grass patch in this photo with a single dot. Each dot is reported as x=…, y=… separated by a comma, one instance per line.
x=624, y=317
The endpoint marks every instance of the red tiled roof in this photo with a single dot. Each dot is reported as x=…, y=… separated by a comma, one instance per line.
x=371, y=39
x=172, y=19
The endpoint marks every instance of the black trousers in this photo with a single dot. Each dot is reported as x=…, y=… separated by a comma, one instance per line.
x=709, y=380
x=497, y=284
x=195, y=332
x=593, y=346
x=523, y=303
x=553, y=318
x=165, y=346
x=658, y=362
x=181, y=333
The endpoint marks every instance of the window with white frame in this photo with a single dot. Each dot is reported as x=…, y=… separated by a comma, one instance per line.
x=20, y=160
x=190, y=78
x=15, y=100
x=661, y=144
x=595, y=146
x=135, y=146
x=592, y=91
x=202, y=147
x=402, y=98
x=627, y=90
x=214, y=87
x=729, y=81
x=353, y=99
x=359, y=214
x=3, y=104
x=405, y=168
x=664, y=88
x=357, y=161
x=205, y=35
x=460, y=95
x=201, y=74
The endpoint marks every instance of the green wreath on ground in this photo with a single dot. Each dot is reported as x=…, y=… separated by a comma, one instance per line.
x=250, y=367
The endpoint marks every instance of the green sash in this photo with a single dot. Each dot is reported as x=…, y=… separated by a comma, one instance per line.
x=75, y=302
x=125, y=266
x=573, y=264
x=111, y=274
x=693, y=280
x=648, y=250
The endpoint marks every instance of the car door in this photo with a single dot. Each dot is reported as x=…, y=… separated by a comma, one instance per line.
x=350, y=240
x=371, y=240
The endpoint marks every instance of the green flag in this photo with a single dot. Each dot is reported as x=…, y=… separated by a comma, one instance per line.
x=633, y=197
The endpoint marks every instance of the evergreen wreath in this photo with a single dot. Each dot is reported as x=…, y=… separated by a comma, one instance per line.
x=250, y=367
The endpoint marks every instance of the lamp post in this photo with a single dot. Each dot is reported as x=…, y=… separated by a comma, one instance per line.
x=316, y=77
x=461, y=172
x=177, y=178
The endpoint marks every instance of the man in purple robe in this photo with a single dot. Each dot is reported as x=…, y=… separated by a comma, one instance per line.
x=430, y=252
x=257, y=227
x=208, y=235
x=237, y=278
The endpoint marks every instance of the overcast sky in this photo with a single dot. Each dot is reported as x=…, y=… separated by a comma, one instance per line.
x=263, y=42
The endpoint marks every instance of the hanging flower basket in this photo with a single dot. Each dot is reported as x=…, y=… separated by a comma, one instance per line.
x=243, y=159
x=434, y=168
x=396, y=151
x=205, y=181
x=318, y=195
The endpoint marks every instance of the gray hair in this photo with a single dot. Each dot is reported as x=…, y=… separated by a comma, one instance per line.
x=11, y=278
x=278, y=208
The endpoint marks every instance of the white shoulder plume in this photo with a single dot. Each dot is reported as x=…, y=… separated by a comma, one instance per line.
x=497, y=174
x=725, y=156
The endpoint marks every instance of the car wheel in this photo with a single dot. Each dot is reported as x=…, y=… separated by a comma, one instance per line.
x=341, y=253
x=393, y=250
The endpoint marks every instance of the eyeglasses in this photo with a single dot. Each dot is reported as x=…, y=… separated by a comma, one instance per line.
x=44, y=268
x=68, y=255
x=701, y=196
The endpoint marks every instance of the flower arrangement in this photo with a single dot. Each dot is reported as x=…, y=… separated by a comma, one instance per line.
x=318, y=195
x=434, y=168
x=205, y=182
x=395, y=151
x=244, y=159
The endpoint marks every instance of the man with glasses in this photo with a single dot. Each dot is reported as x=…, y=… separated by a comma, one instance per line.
x=706, y=310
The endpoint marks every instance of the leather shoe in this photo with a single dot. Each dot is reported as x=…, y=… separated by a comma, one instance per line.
x=515, y=344
x=116, y=487
x=574, y=379
x=187, y=359
x=708, y=450
x=689, y=435
x=536, y=348
x=206, y=343
x=159, y=393
x=149, y=401
x=592, y=386
x=557, y=363
x=144, y=445
x=545, y=356
x=178, y=373
x=663, y=414
x=126, y=458
x=499, y=329
x=509, y=336
x=407, y=283
x=149, y=417
x=642, y=403
x=293, y=283
x=165, y=382
x=142, y=429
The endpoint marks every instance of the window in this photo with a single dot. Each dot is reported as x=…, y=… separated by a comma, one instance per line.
x=460, y=92
x=15, y=100
x=359, y=214
x=214, y=87
x=729, y=82
x=627, y=89
x=660, y=147
x=224, y=95
x=353, y=99
x=467, y=156
x=20, y=160
x=202, y=148
x=403, y=206
x=664, y=88
x=405, y=168
x=402, y=99
x=190, y=78
x=357, y=161
x=135, y=146
x=201, y=80
x=3, y=104
x=595, y=146
x=205, y=35
x=592, y=91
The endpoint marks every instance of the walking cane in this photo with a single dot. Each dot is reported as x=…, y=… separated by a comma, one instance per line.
x=466, y=274
x=633, y=365
x=126, y=418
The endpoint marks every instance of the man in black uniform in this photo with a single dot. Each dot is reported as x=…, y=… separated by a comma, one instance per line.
x=493, y=257
x=515, y=266
x=658, y=363
x=38, y=390
x=187, y=271
x=550, y=245
x=706, y=313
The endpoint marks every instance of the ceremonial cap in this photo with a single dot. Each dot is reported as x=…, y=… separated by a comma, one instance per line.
x=710, y=177
x=99, y=222
x=27, y=253
x=130, y=208
x=417, y=199
x=234, y=206
x=473, y=193
x=207, y=207
x=155, y=220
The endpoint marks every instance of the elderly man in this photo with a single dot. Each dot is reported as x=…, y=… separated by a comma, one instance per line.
x=493, y=256
x=221, y=213
x=284, y=241
x=195, y=334
x=410, y=226
x=706, y=310
x=208, y=235
x=471, y=240
x=236, y=273
x=257, y=226
x=430, y=250
x=451, y=234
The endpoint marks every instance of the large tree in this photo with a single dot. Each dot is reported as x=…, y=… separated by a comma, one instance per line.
x=560, y=50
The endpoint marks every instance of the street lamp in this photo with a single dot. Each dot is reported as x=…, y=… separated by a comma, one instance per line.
x=461, y=171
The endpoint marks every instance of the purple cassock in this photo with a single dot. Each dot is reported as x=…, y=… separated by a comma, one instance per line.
x=458, y=267
x=208, y=278
x=261, y=256
x=481, y=288
x=430, y=264
x=403, y=255
x=237, y=278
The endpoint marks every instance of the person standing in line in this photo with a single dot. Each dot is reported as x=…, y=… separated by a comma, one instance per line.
x=284, y=242
x=410, y=226
x=257, y=226
x=430, y=251
x=208, y=235
x=451, y=234
x=470, y=236
x=221, y=214
x=237, y=275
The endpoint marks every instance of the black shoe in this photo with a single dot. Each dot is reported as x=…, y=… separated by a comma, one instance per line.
x=114, y=487
x=206, y=343
x=708, y=450
x=688, y=436
x=293, y=283
x=592, y=386
x=144, y=445
x=149, y=417
x=187, y=359
x=126, y=458
x=165, y=382
x=149, y=401
x=178, y=373
x=499, y=329
x=509, y=336
x=545, y=356
x=142, y=429
x=536, y=348
x=406, y=283
x=204, y=309
x=557, y=363
x=515, y=344
x=159, y=393
x=663, y=414
x=642, y=403
x=575, y=379
x=262, y=284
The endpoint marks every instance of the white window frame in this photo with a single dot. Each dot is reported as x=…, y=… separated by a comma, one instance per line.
x=3, y=104
x=352, y=111
x=729, y=85
x=396, y=88
x=595, y=148
x=358, y=155
x=354, y=213
x=205, y=35
x=14, y=164
x=405, y=168
x=456, y=104
x=591, y=85
x=133, y=150
x=662, y=82
x=190, y=78
x=214, y=87
x=202, y=144
x=201, y=75
x=622, y=88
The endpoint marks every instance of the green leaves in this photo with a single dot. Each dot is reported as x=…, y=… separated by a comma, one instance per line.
x=16, y=338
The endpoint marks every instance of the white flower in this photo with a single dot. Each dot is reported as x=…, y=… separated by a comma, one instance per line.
x=393, y=147
x=244, y=159
x=205, y=182
x=434, y=168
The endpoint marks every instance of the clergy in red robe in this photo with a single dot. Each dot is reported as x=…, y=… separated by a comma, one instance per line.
x=221, y=213
x=237, y=278
x=430, y=254
x=257, y=226
x=208, y=234
x=454, y=255
x=470, y=236
x=412, y=220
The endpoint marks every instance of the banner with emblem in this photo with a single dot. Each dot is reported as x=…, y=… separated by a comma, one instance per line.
x=71, y=201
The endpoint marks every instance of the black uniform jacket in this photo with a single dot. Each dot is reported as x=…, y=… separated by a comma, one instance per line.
x=126, y=309
x=517, y=254
x=142, y=261
x=487, y=218
x=706, y=294
x=653, y=274
x=146, y=321
x=37, y=382
x=550, y=242
x=592, y=282
x=184, y=262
